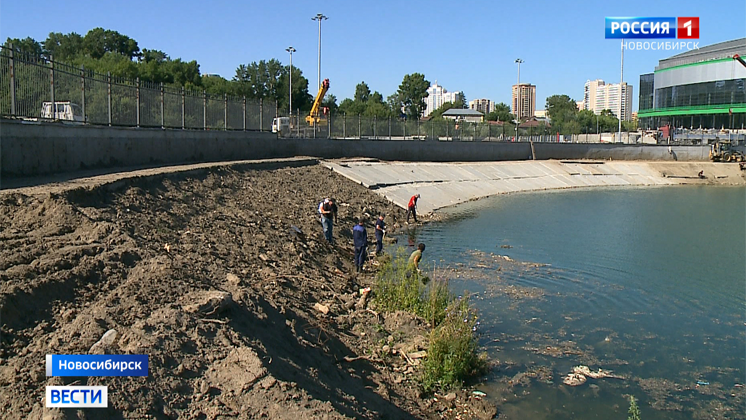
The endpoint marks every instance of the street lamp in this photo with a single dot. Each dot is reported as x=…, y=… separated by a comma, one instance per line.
x=518, y=98
x=319, y=17
x=291, y=50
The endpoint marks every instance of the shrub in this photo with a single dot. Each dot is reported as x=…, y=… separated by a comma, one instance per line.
x=634, y=411
x=452, y=353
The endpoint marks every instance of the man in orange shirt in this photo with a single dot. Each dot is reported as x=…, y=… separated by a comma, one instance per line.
x=412, y=207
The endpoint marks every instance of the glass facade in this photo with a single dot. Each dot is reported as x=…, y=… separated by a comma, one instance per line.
x=646, y=91
x=710, y=93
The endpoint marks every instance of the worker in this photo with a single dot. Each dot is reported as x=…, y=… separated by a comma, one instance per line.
x=701, y=174
x=360, y=240
x=416, y=257
x=380, y=232
x=328, y=210
x=412, y=207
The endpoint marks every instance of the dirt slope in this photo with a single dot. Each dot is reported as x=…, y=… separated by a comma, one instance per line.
x=214, y=275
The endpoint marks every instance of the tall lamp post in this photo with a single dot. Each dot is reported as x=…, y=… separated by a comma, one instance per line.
x=319, y=17
x=291, y=50
x=518, y=98
x=621, y=83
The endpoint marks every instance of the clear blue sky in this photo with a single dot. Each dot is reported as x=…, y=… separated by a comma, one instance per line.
x=465, y=45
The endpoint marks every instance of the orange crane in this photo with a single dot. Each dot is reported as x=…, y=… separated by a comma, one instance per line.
x=313, y=117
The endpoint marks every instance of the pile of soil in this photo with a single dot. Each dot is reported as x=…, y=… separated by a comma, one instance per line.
x=224, y=279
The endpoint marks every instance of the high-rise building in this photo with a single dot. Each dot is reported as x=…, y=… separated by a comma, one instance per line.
x=589, y=94
x=437, y=95
x=484, y=106
x=580, y=105
x=524, y=100
x=598, y=95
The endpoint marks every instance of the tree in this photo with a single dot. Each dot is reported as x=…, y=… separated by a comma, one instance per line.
x=438, y=113
x=27, y=45
x=99, y=41
x=362, y=92
x=260, y=80
x=501, y=113
x=63, y=47
x=562, y=110
x=412, y=93
x=330, y=101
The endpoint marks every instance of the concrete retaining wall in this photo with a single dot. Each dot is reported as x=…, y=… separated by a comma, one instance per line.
x=33, y=149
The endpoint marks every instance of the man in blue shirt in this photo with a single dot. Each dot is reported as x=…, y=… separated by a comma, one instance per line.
x=360, y=240
x=380, y=231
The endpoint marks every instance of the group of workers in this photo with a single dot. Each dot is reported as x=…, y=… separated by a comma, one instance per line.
x=328, y=211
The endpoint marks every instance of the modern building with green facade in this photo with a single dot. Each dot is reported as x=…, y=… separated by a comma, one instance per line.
x=703, y=88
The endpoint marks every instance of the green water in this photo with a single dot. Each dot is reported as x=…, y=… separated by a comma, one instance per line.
x=647, y=282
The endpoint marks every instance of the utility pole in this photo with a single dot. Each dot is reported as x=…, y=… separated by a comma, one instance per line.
x=621, y=95
x=319, y=17
x=518, y=107
x=291, y=50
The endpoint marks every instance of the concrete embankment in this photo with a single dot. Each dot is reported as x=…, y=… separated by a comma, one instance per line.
x=447, y=184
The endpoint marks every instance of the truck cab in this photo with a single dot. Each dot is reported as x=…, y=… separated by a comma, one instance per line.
x=281, y=126
x=63, y=110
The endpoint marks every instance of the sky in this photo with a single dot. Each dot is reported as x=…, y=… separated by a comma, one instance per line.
x=468, y=46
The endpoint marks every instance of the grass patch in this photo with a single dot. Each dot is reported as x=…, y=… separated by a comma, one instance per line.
x=452, y=351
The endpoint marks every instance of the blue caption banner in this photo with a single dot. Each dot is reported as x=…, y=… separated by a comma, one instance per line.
x=97, y=365
x=640, y=27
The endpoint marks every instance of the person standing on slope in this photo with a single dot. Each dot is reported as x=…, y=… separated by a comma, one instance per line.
x=412, y=207
x=360, y=240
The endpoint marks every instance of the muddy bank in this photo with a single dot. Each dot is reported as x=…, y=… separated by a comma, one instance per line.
x=219, y=276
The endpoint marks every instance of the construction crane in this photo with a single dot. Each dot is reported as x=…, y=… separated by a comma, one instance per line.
x=739, y=59
x=313, y=117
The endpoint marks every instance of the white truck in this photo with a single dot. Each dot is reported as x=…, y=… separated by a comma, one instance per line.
x=62, y=110
x=281, y=126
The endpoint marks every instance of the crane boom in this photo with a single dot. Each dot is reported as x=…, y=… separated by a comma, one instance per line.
x=740, y=60
x=313, y=117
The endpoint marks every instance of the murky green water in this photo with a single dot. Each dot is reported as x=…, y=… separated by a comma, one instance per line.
x=650, y=283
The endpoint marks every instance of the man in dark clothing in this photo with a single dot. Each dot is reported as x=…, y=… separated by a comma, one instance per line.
x=328, y=212
x=360, y=240
x=412, y=207
x=380, y=231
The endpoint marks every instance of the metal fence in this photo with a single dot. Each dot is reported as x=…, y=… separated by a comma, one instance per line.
x=27, y=82
x=341, y=126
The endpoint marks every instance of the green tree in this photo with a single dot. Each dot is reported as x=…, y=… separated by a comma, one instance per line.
x=438, y=113
x=501, y=113
x=412, y=93
x=27, y=45
x=362, y=92
x=563, y=110
x=63, y=47
x=99, y=41
x=330, y=101
x=261, y=80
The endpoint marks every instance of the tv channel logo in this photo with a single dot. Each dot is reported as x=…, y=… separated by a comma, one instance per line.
x=652, y=27
x=77, y=397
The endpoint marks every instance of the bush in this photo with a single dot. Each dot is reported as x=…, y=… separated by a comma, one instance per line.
x=634, y=411
x=452, y=351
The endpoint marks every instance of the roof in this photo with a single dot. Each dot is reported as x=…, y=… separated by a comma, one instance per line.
x=710, y=52
x=456, y=112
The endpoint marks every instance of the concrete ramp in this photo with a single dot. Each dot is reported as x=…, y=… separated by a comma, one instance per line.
x=446, y=184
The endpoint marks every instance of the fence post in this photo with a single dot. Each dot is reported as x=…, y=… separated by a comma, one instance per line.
x=359, y=126
x=204, y=109
x=82, y=93
x=225, y=112
x=405, y=129
x=432, y=129
x=163, y=108
x=375, y=123
x=344, y=126
x=261, y=114
x=183, y=108
x=12, y=83
x=51, y=85
x=297, y=123
x=389, y=128
x=244, y=113
x=108, y=94
x=329, y=126
x=489, y=131
x=137, y=99
x=475, y=131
